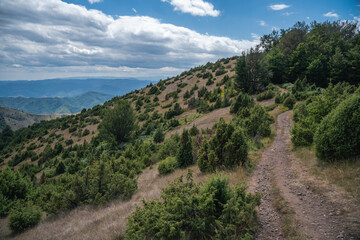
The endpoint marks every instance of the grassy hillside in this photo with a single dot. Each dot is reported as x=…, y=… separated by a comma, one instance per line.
x=55, y=105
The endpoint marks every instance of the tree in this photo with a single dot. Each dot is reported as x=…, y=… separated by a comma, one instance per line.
x=159, y=135
x=184, y=155
x=118, y=123
x=227, y=148
x=243, y=100
x=242, y=79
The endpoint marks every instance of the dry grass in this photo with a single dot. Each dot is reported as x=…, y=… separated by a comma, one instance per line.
x=206, y=121
x=345, y=174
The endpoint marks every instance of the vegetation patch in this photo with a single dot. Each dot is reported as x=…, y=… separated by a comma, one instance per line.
x=188, y=210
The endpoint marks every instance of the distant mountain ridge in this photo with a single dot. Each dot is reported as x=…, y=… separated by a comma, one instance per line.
x=55, y=105
x=18, y=119
x=69, y=87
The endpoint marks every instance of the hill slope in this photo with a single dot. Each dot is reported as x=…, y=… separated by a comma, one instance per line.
x=18, y=119
x=55, y=105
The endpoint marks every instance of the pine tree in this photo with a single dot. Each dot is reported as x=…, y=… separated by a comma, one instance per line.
x=159, y=135
x=184, y=155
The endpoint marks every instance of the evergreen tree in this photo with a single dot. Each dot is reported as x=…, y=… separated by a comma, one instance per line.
x=118, y=123
x=242, y=79
x=159, y=135
x=184, y=155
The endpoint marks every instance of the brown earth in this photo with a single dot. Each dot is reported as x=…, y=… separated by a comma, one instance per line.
x=325, y=216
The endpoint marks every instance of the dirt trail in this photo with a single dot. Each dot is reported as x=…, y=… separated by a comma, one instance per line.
x=316, y=216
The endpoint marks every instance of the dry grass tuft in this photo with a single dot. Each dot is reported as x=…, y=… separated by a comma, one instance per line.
x=345, y=174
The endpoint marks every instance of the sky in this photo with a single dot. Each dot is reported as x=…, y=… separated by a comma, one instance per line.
x=145, y=39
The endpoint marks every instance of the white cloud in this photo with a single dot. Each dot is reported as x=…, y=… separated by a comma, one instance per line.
x=194, y=7
x=134, y=10
x=55, y=36
x=255, y=36
x=357, y=19
x=288, y=13
x=94, y=1
x=262, y=23
x=331, y=14
x=277, y=7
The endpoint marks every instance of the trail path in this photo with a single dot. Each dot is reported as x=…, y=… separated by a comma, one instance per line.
x=317, y=217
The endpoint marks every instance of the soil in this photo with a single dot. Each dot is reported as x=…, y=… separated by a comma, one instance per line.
x=318, y=216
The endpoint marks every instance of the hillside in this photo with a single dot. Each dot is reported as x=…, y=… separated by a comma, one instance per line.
x=18, y=119
x=69, y=87
x=48, y=105
x=255, y=120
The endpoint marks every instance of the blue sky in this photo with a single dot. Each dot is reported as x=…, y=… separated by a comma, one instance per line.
x=147, y=39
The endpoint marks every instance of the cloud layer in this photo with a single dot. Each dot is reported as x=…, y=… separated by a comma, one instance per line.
x=52, y=34
x=194, y=7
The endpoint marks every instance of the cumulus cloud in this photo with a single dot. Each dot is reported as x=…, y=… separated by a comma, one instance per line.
x=277, y=7
x=194, y=7
x=94, y=1
x=331, y=14
x=54, y=35
x=134, y=10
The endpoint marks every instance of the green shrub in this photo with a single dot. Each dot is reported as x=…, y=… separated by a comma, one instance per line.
x=265, y=95
x=23, y=217
x=159, y=135
x=168, y=165
x=169, y=147
x=243, y=100
x=289, y=102
x=255, y=121
x=86, y=132
x=69, y=142
x=73, y=128
x=154, y=90
x=226, y=149
x=188, y=211
x=338, y=135
x=194, y=130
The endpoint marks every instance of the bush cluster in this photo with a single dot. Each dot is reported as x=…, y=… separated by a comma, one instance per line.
x=188, y=211
x=167, y=165
x=338, y=135
x=265, y=95
x=226, y=149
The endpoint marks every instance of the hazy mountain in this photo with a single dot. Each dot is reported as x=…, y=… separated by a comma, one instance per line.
x=69, y=87
x=49, y=105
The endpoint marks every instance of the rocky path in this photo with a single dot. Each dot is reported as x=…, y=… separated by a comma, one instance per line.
x=314, y=216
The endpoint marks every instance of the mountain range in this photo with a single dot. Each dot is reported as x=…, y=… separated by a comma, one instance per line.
x=69, y=87
x=48, y=105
